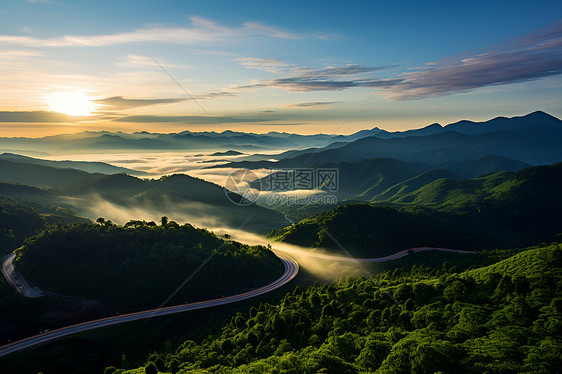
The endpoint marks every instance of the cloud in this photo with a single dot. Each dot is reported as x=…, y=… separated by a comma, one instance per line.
x=307, y=84
x=530, y=57
x=18, y=54
x=312, y=104
x=119, y=102
x=201, y=31
x=271, y=65
x=198, y=120
x=308, y=80
x=37, y=116
x=340, y=71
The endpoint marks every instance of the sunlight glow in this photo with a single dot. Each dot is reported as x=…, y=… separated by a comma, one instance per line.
x=71, y=103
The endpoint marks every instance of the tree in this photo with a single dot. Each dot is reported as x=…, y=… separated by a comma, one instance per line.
x=164, y=220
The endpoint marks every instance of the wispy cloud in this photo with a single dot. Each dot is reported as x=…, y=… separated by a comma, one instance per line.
x=16, y=54
x=119, y=102
x=312, y=104
x=201, y=31
x=272, y=65
x=533, y=56
x=196, y=120
x=308, y=84
x=37, y=116
x=325, y=79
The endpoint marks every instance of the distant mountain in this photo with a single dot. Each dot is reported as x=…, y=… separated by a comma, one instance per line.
x=535, y=119
x=364, y=179
x=92, y=142
x=533, y=139
x=227, y=153
x=90, y=167
x=381, y=179
x=483, y=166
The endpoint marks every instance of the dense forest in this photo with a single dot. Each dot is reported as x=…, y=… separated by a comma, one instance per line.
x=502, y=210
x=23, y=218
x=141, y=263
x=500, y=318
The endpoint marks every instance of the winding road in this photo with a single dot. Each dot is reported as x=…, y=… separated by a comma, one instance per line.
x=291, y=270
x=17, y=280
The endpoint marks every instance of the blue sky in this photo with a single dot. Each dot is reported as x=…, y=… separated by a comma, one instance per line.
x=302, y=67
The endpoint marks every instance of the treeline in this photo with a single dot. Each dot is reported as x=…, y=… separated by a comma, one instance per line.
x=142, y=263
x=503, y=318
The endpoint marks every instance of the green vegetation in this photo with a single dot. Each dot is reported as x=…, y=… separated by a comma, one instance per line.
x=22, y=218
x=142, y=264
x=501, y=210
x=501, y=318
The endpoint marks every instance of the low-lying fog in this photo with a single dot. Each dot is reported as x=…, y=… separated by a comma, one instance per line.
x=317, y=261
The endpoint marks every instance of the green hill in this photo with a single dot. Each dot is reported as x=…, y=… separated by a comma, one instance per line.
x=418, y=320
x=176, y=195
x=501, y=210
x=141, y=265
x=20, y=219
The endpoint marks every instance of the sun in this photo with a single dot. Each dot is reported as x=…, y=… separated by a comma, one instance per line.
x=71, y=103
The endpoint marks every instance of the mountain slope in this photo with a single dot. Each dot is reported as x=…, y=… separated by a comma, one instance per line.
x=90, y=167
x=483, y=166
x=411, y=320
x=181, y=197
x=42, y=176
x=501, y=210
x=530, y=139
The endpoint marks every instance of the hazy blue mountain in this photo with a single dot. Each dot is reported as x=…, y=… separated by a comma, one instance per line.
x=230, y=152
x=483, y=166
x=90, y=141
x=531, y=139
x=535, y=119
x=90, y=167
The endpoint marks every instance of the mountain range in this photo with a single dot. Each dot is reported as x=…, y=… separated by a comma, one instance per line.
x=531, y=139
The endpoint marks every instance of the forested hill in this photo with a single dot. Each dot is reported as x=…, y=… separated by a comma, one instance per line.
x=503, y=318
x=20, y=219
x=501, y=210
x=141, y=264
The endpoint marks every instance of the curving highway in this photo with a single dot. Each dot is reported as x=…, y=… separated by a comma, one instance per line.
x=291, y=270
x=394, y=256
x=16, y=279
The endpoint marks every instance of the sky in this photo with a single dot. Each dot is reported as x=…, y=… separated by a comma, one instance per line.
x=294, y=66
